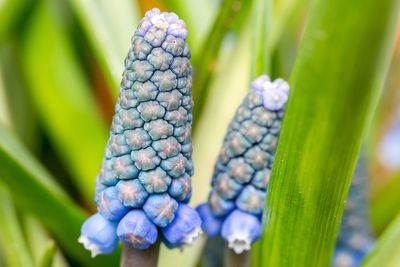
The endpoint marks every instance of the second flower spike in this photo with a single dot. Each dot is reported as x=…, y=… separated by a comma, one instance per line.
x=144, y=183
x=235, y=204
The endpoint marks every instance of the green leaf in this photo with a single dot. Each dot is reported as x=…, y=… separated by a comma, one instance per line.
x=335, y=84
x=34, y=190
x=385, y=253
x=11, y=235
x=385, y=204
x=62, y=97
x=48, y=256
x=109, y=27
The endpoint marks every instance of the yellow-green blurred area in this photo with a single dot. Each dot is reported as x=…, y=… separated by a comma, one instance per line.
x=61, y=62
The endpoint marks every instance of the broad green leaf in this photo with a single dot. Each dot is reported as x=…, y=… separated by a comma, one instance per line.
x=385, y=204
x=62, y=97
x=11, y=235
x=35, y=191
x=385, y=253
x=109, y=27
x=335, y=86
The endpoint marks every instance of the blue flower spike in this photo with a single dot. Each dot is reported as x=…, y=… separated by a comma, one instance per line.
x=98, y=235
x=355, y=238
x=144, y=183
x=241, y=175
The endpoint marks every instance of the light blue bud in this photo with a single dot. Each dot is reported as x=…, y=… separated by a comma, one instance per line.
x=164, y=80
x=239, y=170
x=145, y=159
x=251, y=200
x=160, y=59
x=159, y=129
x=184, y=229
x=167, y=148
x=211, y=224
x=160, y=208
x=240, y=230
x=175, y=166
x=98, y=235
x=137, y=139
x=124, y=168
x=109, y=205
x=151, y=110
x=155, y=181
x=132, y=193
x=144, y=91
x=218, y=205
x=180, y=188
x=137, y=230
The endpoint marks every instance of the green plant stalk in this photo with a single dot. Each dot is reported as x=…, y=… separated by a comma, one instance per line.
x=35, y=191
x=262, y=10
x=206, y=63
x=11, y=236
x=335, y=88
x=385, y=204
x=62, y=98
x=385, y=253
x=108, y=27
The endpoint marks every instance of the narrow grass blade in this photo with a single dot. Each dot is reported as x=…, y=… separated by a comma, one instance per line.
x=335, y=88
x=62, y=98
x=385, y=204
x=262, y=11
x=11, y=235
x=206, y=62
x=385, y=253
x=34, y=190
x=49, y=254
x=109, y=27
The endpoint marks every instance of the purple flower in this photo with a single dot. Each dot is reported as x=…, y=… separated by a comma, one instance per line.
x=210, y=224
x=137, y=230
x=110, y=206
x=240, y=230
x=184, y=229
x=99, y=235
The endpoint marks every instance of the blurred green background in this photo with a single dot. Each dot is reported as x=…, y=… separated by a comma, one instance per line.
x=61, y=62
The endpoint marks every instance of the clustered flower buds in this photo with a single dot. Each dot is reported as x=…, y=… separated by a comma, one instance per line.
x=144, y=183
x=242, y=171
x=355, y=239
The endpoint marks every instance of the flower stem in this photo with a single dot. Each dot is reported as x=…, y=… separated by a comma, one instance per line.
x=132, y=257
x=236, y=260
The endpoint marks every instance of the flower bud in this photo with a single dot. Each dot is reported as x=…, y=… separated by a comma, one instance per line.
x=98, y=235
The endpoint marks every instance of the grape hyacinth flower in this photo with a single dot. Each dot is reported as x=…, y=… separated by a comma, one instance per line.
x=235, y=204
x=144, y=183
x=354, y=239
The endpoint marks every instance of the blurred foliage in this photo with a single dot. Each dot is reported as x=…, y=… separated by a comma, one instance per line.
x=60, y=67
